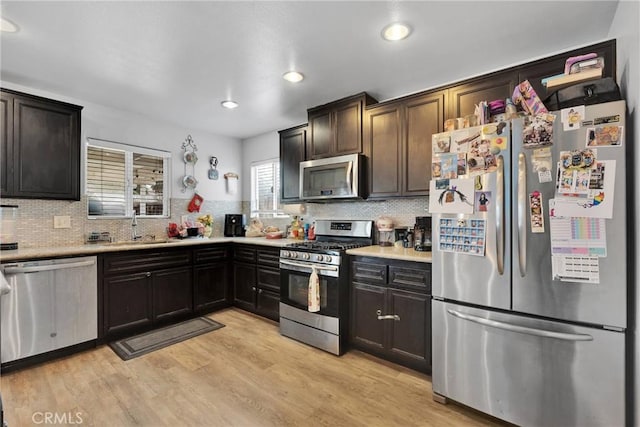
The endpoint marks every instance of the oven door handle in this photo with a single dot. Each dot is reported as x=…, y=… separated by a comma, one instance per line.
x=309, y=266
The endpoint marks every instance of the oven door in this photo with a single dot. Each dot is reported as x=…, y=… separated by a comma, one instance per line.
x=294, y=286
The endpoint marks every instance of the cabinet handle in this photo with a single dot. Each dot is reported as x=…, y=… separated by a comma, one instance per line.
x=253, y=288
x=387, y=316
x=259, y=291
x=148, y=274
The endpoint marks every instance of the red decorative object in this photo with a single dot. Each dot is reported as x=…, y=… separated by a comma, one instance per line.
x=195, y=203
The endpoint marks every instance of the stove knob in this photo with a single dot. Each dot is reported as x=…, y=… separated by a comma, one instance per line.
x=293, y=255
x=327, y=258
x=319, y=257
x=305, y=256
x=285, y=254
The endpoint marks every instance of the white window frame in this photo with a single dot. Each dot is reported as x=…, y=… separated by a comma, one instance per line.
x=256, y=212
x=129, y=150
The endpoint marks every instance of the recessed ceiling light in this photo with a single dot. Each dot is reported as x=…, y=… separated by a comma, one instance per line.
x=396, y=31
x=229, y=104
x=293, y=76
x=7, y=26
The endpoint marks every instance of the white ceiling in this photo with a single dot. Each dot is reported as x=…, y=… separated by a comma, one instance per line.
x=176, y=61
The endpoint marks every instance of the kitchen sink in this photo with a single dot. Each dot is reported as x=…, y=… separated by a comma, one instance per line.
x=141, y=242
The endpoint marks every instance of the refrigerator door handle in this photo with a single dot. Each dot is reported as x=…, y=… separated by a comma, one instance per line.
x=521, y=329
x=522, y=214
x=500, y=215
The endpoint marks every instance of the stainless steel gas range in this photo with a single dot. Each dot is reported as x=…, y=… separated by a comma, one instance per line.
x=326, y=329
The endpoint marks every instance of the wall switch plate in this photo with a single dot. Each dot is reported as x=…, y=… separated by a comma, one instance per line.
x=62, y=221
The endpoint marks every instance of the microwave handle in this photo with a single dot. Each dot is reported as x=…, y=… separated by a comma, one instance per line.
x=349, y=172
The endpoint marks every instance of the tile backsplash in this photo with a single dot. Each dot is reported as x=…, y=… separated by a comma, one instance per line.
x=35, y=221
x=35, y=218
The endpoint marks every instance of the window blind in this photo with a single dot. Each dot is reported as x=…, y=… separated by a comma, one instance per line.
x=265, y=188
x=106, y=181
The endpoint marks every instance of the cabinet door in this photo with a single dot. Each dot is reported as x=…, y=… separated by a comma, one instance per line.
x=211, y=286
x=268, y=304
x=172, y=294
x=366, y=330
x=46, y=150
x=410, y=335
x=321, y=138
x=383, y=136
x=127, y=303
x=244, y=282
x=292, y=152
x=268, y=278
x=348, y=128
x=6, y=145
x=463, y=98
x=424, y=116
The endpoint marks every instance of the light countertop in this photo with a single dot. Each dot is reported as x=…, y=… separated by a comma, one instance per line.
x=391, y=252
x=94, y=249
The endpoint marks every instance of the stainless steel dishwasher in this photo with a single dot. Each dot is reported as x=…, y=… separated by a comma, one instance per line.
x=50, y=304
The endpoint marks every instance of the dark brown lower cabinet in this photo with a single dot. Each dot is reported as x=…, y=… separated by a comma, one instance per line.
x=127, y=300
x=211, y=278
x=244, y=282
x=145, y=289
x=391, y=310
x=256, y=280
x=172, y=294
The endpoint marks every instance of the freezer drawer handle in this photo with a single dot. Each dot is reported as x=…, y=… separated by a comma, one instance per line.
x=521, y=329
x=387, y=316
x=36, y=269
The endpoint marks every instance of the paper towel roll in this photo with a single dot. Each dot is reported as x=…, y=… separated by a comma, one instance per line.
x=232, y=182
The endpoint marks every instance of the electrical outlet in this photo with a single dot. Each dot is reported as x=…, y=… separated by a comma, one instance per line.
x=62, y=221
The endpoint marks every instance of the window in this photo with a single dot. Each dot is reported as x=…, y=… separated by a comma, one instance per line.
x=123, y=178
x=265, y=189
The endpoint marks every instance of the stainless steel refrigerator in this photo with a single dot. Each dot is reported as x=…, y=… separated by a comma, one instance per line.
x=513, y=335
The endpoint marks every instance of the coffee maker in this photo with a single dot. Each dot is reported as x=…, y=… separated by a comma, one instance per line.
x=234, y=225
x=422, y=234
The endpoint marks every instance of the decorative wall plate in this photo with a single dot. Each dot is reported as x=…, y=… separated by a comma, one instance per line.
x=189, y=181
x=190, y=157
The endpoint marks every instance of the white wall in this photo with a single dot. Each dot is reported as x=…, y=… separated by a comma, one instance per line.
x=131, y=128
x=257, y=148
x=625, y=29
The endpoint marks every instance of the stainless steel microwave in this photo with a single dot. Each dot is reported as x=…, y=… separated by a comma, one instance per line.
x=332, y=178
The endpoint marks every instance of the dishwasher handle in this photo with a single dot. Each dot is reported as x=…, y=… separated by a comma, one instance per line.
x=9, y=269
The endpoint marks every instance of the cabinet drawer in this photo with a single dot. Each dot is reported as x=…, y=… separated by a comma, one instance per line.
x=244, y=254
x=211, y=254
x=271, y=258
x=418, y=279
x=269, y=278
x=145, y=261
x=369, y=272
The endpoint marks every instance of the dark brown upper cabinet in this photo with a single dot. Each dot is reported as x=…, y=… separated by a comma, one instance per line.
x=336, y=128
x=6, y=144
x=398, y=144
x=293, y=150
x=464, y=97
x=40, y=147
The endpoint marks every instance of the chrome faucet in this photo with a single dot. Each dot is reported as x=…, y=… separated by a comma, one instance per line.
x=134, y=224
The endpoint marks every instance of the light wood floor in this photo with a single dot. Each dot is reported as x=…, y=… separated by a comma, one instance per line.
x=245, y=374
